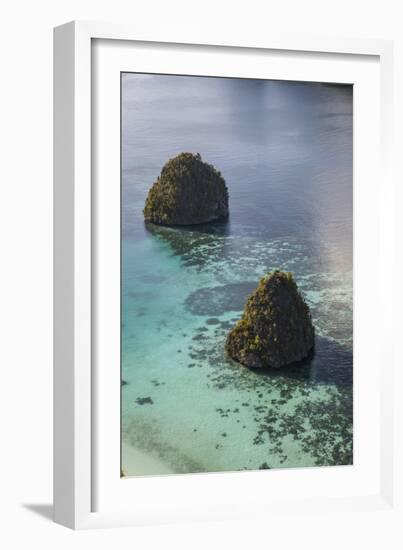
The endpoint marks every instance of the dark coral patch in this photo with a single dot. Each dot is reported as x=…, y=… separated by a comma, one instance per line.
x=219, y=299
x=144, y=401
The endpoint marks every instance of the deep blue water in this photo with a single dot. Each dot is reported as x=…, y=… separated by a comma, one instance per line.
x=285, y=151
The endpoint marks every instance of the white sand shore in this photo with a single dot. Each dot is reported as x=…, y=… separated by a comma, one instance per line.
x=138, y=463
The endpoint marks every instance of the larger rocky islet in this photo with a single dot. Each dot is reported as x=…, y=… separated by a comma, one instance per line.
x=276, y=326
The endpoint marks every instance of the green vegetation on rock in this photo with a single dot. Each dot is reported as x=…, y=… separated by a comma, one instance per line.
x=187, y=192
x=276, y=327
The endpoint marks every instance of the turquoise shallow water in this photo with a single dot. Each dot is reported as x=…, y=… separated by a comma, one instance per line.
x=285, y=150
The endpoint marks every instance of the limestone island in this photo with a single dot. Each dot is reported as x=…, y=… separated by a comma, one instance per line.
x=187, y=192
x=276, y=326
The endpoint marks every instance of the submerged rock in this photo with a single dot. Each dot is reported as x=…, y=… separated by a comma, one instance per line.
x=276, y=327
x=187, y=192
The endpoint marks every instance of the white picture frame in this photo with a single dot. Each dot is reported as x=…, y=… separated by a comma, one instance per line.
x=88, y=492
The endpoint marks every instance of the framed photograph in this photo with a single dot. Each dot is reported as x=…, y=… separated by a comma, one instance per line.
x=222, y=227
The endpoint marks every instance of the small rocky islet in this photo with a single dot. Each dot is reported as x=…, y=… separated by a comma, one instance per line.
x=187, y=192
x=276, y=326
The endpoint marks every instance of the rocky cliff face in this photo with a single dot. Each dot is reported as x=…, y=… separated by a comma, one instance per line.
x=187, y=192
x=276, y=327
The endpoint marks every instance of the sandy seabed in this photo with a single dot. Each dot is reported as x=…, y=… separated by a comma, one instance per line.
x=139, y=463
